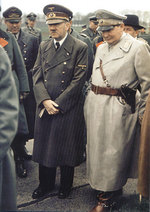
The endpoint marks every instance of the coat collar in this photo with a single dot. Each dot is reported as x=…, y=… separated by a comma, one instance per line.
x=63, y=54
x=118, y=52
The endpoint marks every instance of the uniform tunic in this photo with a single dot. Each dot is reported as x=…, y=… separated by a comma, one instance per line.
x=60, y=76
x=8, y=127
x=111, y=127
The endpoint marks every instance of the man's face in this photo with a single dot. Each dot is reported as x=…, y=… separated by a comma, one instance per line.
x=31, y=23
x=113, y=36
x=130, y=30
x=93, y=25
x=58, y=31
x=13, y=27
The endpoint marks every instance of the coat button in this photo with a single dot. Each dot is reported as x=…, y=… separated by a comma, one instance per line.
x=62, y=90
x=63, y=72
x=65, y=63
x=62, y=81
x=45, y=80
x=25, y=51
x=25, y=58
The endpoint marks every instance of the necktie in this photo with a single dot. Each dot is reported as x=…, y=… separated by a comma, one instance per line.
x=57, y=45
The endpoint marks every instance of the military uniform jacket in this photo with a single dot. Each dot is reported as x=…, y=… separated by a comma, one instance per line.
x=60, y=76
x=90, y=33
x=8, y=128
x=111, y=127
x=19, y=73
x=86, y=39
x=33, y=31
x=29, y=48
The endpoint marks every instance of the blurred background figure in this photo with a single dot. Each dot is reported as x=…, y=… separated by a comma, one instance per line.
x=30, y=26
x=8, y=126
x=20, y=75
x=90, y=31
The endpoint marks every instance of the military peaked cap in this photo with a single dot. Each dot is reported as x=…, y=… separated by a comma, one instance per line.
x=12, y=14
x=57, y=14
x=107, y=20
x=93, y=19
x=132, y=20
x=31, y=16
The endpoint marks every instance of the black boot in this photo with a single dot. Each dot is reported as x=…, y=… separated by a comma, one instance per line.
x=21, y=171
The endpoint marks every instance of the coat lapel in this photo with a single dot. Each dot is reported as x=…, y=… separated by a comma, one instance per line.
x=63, y=54
x=118, y=51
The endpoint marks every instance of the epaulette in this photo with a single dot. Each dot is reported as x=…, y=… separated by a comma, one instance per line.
x=83, y=35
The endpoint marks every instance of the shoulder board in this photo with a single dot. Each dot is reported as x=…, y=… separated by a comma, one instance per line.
x=83, y=35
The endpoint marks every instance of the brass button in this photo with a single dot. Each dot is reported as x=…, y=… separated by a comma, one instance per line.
x=25, y=58
x=62, y=81
x=45, y=80
x=65, y=63
x=63, y=72
x=62, y=90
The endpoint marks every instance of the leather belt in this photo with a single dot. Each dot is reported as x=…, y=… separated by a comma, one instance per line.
x=106, y=90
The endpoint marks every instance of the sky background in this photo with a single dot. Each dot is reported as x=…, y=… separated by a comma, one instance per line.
x=82, y=6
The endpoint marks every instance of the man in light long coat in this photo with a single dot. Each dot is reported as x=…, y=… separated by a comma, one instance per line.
x=8, y=127
x=111, y=122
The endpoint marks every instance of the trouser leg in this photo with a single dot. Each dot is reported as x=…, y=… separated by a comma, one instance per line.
x=66, y=179
x=47, y=176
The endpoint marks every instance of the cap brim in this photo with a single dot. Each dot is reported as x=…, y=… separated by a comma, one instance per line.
x=32, y=18
x=14, y=21
x=105, y=28
x=54, y=21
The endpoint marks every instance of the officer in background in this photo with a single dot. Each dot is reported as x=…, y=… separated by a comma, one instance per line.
x=59, y=75
x=29, y=48
x=90, y=31
x=30, y=26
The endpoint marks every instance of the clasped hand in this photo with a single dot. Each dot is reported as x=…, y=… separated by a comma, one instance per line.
x=51, y=107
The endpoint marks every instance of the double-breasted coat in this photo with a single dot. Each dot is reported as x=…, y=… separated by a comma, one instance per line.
x=19, y=73
x=29, y=48
x=111, y=126
x=60, y=76
x=9, y=109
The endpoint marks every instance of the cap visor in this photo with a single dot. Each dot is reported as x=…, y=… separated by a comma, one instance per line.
x=105, y=28
x=14, y=21
x=54, y=21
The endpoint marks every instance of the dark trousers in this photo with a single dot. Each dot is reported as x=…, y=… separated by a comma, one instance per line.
x=18, y=146
x=47, y=177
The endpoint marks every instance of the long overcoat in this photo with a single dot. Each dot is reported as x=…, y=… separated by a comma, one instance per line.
x=19, y=73
x=144, y=153
x=9, y=108
x=29, y=48
x=111, y=126
x=60, y=76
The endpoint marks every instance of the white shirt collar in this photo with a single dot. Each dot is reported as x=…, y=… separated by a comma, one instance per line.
x=61, y=41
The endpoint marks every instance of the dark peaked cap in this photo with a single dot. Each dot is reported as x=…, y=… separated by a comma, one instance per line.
x=107, y=19
x=132, y=20
x=31, y=16
x=12, y=14
x=57, y=14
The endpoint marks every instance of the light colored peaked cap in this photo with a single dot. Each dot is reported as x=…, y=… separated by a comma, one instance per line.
x=107, y=20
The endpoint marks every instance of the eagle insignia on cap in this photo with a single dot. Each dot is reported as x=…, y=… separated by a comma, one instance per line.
x=51, y=8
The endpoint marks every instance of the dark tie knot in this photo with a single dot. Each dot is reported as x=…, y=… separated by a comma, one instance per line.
x=57, y=45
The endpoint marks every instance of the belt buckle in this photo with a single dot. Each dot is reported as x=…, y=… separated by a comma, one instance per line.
x=96, y=90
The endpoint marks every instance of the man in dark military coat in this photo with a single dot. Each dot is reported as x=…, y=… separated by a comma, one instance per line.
x=9, y=109
x=29, y=48
x=30, y=26
x=59, y=76
x=91, y=31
